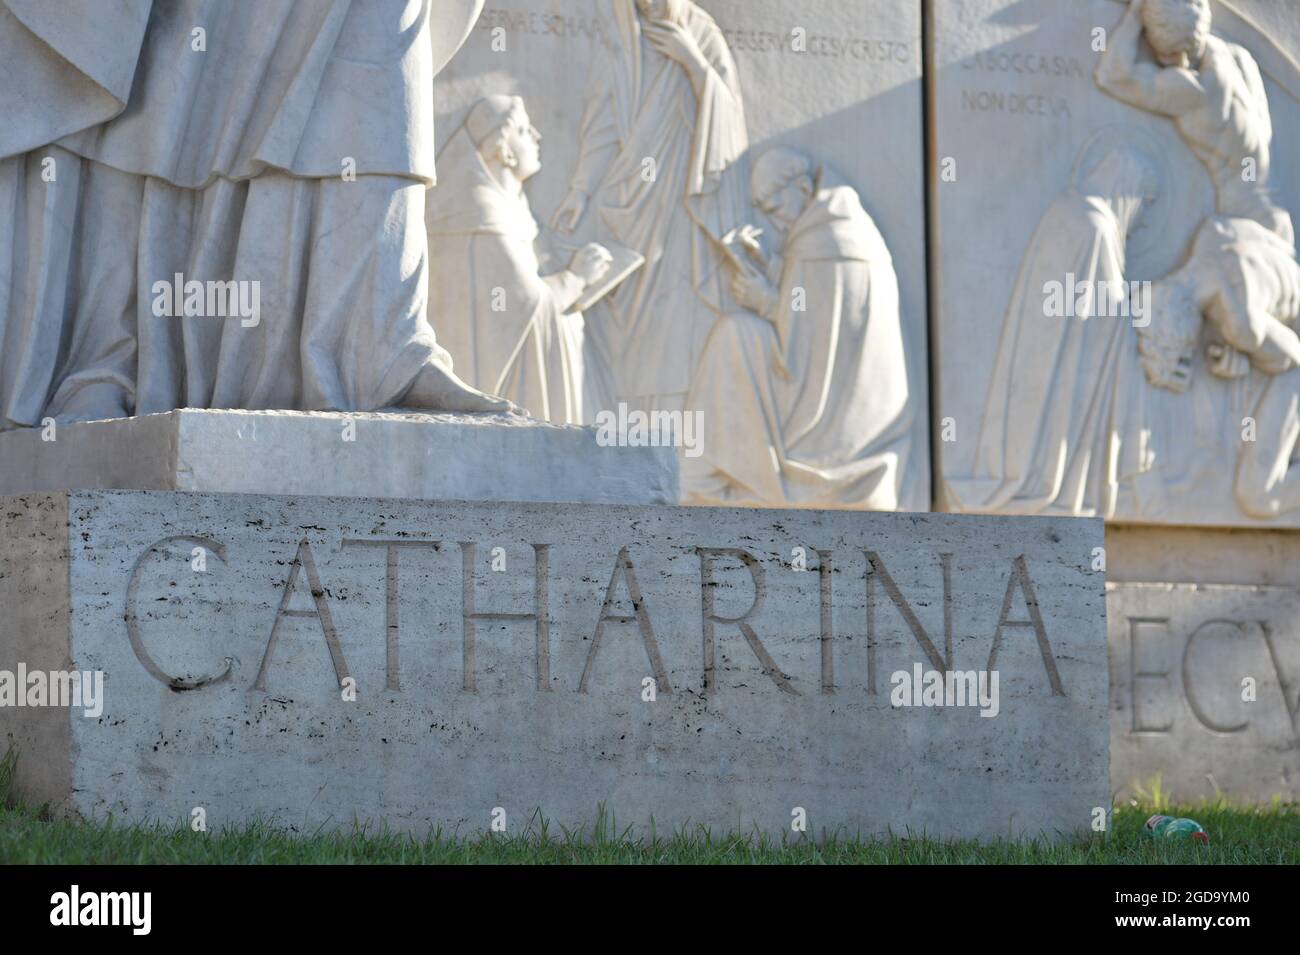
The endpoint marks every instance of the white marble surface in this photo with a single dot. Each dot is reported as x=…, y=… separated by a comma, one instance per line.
x=1128, y=417
x=850, y=99
x=406, y=455
x=453, y=718
x=199, y=211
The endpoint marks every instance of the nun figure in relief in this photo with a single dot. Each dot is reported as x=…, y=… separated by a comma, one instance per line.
x=508, y=328
x=1062, y=426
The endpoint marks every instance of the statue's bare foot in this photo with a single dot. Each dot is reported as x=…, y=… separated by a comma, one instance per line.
x=438, y=389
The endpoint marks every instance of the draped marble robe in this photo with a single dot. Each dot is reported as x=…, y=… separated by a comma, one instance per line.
x=504, y=324
x=812, y=407
x=218, y=164
x=1064, y=430
x=641, y=105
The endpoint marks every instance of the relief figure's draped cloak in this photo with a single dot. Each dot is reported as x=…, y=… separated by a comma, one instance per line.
x=504, y=325
x=1063, y=422
x=811, y=408
x=641, y=105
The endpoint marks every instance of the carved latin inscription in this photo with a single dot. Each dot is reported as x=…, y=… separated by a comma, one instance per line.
x=303, y=560
x=709, y=617
x=624, y=570
x=719, y=569
x=1162, y=667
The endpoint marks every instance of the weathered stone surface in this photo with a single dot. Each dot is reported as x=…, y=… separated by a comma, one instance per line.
x=1180, y=658
x=1192, y=616
x=425, y=457
x=1089, y=329
x=225, y=625
x=624, y=131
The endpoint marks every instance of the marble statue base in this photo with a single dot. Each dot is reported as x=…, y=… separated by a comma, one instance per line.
x=415, y=456
x=311, y=661
x=1205, y=662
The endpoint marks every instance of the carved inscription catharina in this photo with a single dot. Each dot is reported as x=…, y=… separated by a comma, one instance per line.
x=548, y=589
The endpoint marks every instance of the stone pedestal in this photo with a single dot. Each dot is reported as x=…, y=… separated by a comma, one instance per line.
x=415, y=456
x=1079, y=344
x=1205, y=661
x=312, y=660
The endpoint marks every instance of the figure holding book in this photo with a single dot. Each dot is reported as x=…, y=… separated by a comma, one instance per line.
x=804, y=396
x=511, y=330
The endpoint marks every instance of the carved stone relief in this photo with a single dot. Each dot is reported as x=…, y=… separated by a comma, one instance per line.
x=1143, y=368
x=716, y=258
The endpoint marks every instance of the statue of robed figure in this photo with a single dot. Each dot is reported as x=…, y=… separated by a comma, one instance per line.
x=275, y=154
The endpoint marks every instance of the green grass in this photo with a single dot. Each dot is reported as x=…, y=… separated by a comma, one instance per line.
x=1238, y=835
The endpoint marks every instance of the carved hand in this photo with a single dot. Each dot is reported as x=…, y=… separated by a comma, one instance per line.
x=591, y=262
x=677, y=43
x=747, y=236
x=753, y=291
x=567, y=216
x=1227, y=362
